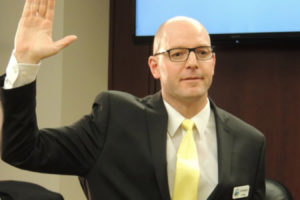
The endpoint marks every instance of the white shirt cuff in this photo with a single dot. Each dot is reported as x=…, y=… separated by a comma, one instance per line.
x=19, y=74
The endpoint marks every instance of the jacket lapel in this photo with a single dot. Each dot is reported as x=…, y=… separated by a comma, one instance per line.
x=225, y=142
x=157, y=128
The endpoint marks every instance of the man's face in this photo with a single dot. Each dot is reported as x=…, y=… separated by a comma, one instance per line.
x=188, y=80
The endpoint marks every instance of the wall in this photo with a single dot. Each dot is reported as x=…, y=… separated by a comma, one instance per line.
x=70, y=79
x=85, y=65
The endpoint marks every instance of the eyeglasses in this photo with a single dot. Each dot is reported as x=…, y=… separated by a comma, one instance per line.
x=182, y=54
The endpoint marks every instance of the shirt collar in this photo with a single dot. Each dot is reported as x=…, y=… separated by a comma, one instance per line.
x=175, y=119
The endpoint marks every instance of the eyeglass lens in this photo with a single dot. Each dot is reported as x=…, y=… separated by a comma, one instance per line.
x=182, y=54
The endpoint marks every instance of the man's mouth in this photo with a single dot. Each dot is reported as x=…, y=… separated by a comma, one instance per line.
x=192, y=78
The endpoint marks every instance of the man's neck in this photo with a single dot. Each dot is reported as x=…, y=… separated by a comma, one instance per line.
x=188, y=107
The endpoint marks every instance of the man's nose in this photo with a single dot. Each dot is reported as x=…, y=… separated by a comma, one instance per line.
x=192, y=61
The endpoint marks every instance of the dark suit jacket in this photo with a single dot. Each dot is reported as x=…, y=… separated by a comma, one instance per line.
x=120, y=148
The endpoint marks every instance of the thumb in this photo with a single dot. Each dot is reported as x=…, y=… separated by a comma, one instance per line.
x=62, y=43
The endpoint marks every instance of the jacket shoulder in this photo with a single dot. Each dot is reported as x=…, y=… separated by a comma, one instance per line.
x=119, y=98
x=237, y=126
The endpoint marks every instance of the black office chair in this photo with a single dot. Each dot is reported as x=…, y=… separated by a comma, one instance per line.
x=276, y=191
x=19, y=190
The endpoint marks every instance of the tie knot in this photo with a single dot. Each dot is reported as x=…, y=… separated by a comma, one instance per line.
x=187, y=124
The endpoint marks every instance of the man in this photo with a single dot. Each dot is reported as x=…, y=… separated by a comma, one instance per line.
x=136, y=148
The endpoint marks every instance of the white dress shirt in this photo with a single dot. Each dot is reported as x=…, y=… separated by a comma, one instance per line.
x=206, y=142
x=19, y=74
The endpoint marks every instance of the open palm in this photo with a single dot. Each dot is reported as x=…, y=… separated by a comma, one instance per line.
x=33, y=40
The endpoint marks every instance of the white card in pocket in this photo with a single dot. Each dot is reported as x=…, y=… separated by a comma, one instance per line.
x=240, y=192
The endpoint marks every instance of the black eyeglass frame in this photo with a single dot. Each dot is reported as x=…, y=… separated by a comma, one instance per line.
x=189, y=49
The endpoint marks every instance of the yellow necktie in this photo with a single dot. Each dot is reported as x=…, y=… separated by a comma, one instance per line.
x=187, y=167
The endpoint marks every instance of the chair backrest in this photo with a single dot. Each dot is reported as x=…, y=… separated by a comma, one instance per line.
x=19, y=190
x=276, y=191
x=85, y=187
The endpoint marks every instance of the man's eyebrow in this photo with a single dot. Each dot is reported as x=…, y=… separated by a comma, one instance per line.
x=181, y=47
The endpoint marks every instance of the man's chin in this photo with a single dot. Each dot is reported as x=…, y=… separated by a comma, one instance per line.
x=194, y=94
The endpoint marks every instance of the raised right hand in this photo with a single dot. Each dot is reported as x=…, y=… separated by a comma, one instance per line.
x=33, y=41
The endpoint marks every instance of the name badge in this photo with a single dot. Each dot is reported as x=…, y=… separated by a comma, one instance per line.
x=240, y=192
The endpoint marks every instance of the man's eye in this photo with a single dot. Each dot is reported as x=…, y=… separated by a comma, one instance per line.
x=178, y=54
x=203, y=52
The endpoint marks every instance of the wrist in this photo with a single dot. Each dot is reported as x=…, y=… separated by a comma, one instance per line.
x=26, y=58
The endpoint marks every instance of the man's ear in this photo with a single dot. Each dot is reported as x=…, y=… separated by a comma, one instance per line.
x=153, y=65
x=214, y=62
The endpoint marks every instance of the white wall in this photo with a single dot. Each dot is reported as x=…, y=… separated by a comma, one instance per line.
x=85, y=65
x=69, y=80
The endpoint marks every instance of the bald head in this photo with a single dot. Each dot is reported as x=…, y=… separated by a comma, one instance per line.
x=180, y=26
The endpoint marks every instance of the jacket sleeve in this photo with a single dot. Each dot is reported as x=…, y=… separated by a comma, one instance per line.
x=71, y=149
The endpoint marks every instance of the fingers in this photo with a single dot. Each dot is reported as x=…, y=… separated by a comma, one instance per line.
x=35, y=7
x=50, y=10
x=27, y=8
x=42, y=8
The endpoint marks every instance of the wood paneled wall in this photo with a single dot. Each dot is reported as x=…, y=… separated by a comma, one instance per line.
x=260, y=83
